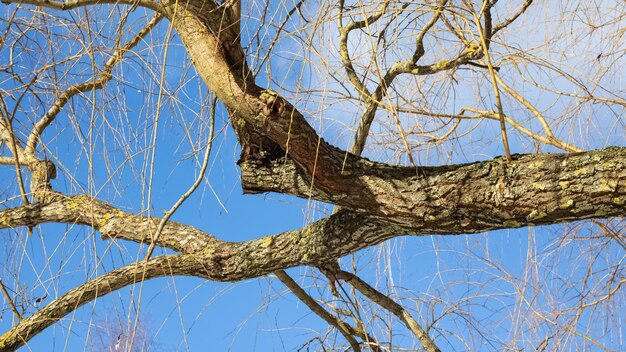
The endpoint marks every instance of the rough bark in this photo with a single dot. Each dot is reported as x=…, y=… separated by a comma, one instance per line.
x=533, y=190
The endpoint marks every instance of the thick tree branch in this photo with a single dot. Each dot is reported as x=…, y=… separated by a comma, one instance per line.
x=534, y=189
x=471, y=198
x=111, y=222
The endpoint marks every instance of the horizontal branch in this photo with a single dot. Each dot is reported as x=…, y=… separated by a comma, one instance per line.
x=72, y=4
x=534, y=189
x=111, y=222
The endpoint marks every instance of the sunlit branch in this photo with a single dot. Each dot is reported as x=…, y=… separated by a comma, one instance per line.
x=8, y=138
x=390, y=305
x=9, y=300
x=493, y=115
x=344, y=328
x=546, y=127
x=111, y=222
x=72, y=4
x=343, y=46
x=104, y=77
x=484, y=41
x=192, y=188
x=510, y=20
x=5, y=160
x=6, y=130
x=375, y=100
x=27, y=328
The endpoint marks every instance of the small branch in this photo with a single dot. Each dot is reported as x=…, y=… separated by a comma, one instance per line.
x=343, y=46
x=72, y=4
x=7, y=296
x=493, y=115
x=5, y=160
x=390, y=305
x=265, y=58
x=344, y=328
x=546, y=127
x=128, y=275
x=509, y=20
x=194, y=186
x=15, y=148
x=484, y=41
x=103, y=77
x=374, y=101
x=611, y=233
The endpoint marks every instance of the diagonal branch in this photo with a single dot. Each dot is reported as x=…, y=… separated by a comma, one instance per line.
x=510, y=20
x=375, y=99
x=546, y=127
x=344, y=328
x=392, y=306
x=128, y=275
x=9, y=300
x=103, y=78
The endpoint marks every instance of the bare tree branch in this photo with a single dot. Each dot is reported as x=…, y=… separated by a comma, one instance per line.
x=72, y=4
x=103, y=77
x=390, y=305
x=344, y=328
x=9, y=300
x=128, y=275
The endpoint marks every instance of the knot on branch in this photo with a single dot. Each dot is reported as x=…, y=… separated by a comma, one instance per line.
x=273, y=104
x=41, y=173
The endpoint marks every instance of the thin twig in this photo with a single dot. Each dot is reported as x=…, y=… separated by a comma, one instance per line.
x=375, y=100
x=345, y=329
x=492, y=74
x=103, y=77
x=194, y=186
x=546, y=127
x=390, y=305
x=7, y=296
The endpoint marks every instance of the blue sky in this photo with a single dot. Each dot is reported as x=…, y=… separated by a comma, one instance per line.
x=479, y=273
